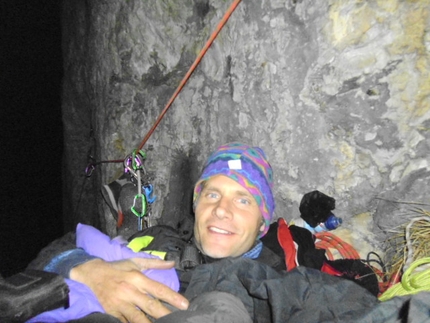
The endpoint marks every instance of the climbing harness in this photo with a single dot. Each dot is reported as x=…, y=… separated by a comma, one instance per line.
x=133, y=163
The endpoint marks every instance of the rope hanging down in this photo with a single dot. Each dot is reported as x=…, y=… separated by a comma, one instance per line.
x=192, y=68
x=203, y=51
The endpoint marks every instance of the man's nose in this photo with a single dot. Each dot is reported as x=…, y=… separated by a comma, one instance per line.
x=223, y=208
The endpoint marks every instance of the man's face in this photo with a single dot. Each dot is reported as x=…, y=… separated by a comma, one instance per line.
x=228, y=219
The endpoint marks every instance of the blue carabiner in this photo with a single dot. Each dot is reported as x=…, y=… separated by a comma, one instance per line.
x=149, y=189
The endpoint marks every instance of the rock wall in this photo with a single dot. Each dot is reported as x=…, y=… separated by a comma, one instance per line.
x=336, y=92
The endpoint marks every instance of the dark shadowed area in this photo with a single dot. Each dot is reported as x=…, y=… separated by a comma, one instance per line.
x=31, y=130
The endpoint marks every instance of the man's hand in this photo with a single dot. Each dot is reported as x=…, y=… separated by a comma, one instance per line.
x=125, y=292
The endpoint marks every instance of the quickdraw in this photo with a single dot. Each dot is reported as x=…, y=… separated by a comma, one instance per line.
x=143, y=210
x=134, y=167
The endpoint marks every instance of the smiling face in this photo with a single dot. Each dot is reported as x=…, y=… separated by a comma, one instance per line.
x=228, y=219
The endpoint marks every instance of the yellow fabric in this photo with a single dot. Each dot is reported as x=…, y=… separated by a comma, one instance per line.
x=139, y=243
x=160, y=254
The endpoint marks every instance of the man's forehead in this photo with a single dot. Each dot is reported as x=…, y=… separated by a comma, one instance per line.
x=222, y=182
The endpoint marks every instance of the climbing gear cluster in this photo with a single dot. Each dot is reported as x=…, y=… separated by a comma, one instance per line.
x=133, y=165
x=132, y=193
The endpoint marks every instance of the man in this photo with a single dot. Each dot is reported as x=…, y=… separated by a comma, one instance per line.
x=237, y=279
x=233, y=205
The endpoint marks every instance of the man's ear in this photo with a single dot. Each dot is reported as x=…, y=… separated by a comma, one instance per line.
x=262, y=226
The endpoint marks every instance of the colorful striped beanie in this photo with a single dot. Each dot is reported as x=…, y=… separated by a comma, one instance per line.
x=249, y=167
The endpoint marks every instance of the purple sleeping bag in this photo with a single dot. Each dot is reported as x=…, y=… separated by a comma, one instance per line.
x=82, y=301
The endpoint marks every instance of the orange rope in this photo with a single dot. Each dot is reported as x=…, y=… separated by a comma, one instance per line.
x=91, y=166
x=328, y=240
x=192, y=68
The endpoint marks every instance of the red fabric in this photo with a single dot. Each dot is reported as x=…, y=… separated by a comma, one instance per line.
x=326, y=268
x=286, y=241
x=120, y=219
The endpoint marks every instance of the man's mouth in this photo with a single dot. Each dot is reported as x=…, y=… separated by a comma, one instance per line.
x=218, y=230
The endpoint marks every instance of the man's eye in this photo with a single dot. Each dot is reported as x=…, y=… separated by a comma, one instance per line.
x=212, y=195
x=244, y=201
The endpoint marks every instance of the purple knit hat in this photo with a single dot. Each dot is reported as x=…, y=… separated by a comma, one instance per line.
x=249, y=167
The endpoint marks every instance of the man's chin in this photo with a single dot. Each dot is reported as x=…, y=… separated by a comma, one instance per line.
x=217, y=253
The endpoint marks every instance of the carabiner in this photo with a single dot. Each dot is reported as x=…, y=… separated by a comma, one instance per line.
x=143, y=208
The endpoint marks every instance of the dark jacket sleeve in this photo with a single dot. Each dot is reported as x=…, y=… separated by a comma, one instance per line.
x=60, y=256
x=65, y=243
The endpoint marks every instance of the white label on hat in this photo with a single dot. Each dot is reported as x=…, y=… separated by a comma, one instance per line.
x=235, y=164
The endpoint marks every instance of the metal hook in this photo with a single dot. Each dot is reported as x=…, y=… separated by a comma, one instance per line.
x=89, y=170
